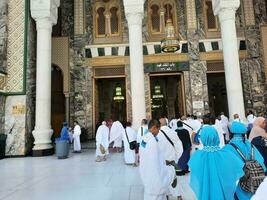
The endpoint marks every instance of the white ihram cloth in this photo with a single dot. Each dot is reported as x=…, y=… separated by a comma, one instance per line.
x=173, y=124
x=76, y=138
x=116, y=133
x=170, y=153
x=225, y=122
x=156, y=176
x=129, y=155
x=251, y=118
x=261, y=192
x=219, y=129
x=102, y=138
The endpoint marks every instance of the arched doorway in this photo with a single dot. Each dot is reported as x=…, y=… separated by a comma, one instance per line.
x=57, y=101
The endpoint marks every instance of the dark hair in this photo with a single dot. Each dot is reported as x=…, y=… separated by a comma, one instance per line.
x=194, y=117
x=128, y=124
x=206, y=119
x=250, y=112
x=65, y=123
x=76, y=122
x=180, y=123
x=144, y=121
x=212, y=119
x=153, y=122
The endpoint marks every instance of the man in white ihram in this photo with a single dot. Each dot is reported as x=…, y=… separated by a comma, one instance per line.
x=156, y=176
x=76, y=138
x=116, y=133
x=171, y=148
x=129, y=136
x=102, y=142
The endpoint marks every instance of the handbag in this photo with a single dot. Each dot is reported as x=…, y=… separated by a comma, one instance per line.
x=102, y=149
x=132, y=144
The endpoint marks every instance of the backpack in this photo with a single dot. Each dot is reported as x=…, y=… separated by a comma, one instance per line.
x=254, y=172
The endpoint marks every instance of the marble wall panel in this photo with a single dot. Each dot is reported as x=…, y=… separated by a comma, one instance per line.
x=30, y=86
x=187, y=89
x=147, y=96
x=15, y=119
x=128, y=93
x=252, y=68
x=199, y=90
x=3, y=35
x=2, y=114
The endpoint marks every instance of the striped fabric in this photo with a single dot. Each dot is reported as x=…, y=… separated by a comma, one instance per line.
x=93, y=51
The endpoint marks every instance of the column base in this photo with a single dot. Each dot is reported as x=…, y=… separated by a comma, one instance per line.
x=42, y=152
x=42, y=142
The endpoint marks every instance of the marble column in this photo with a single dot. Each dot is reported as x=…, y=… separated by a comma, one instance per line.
x=226, y=12
x=44, y=12
x=134, y=14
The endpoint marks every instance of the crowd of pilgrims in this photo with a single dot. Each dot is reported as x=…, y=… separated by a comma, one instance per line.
x=225, y=159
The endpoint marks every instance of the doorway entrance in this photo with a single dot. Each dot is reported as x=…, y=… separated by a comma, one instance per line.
x=57, y=101
x=167, y=95
x=110, y=100
x=217, y=93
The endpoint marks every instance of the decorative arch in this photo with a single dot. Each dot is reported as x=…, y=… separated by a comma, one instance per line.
x=107, y=21
x=157, y=17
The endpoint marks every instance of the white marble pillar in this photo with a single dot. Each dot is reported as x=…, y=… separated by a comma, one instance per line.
x=44, y=13
x=226, y=10
x=134, y=11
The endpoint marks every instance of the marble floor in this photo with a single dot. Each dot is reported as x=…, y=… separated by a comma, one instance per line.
x=78, y=177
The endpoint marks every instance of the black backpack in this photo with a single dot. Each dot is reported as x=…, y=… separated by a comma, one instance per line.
x=254, y=172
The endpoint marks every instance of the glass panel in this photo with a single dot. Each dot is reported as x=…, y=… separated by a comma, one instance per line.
x=155, y=18
x=211, y=19
x=114, y=20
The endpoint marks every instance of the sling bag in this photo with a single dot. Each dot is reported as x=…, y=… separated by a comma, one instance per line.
x=132, y=144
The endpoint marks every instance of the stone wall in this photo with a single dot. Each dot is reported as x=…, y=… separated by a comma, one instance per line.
x=3, y=59
x=30, y=86
x=3, y=34
x=252, y=68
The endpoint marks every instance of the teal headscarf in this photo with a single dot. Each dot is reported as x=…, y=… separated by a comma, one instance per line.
x=239, y=130
x=214, y=172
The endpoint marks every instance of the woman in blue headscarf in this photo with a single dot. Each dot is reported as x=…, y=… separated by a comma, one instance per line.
x=64, y=135
x=213, y=176
x=239, y=130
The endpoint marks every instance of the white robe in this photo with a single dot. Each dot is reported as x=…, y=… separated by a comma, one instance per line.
x=156, y=176
x=261, y=192
x=129, y=155
x=116, y=133
x=170, y=153
x=102, y=138
x=219, y=129
x=225, y=123
x=173, y=124
x=76, y=138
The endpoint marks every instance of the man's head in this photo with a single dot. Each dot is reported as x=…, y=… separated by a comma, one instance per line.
x=75, y=123
x=222, y=113
x=180, y=124
x=144, y=122
x=236, y=116
x=154, y=126
x=104, y=123
x=163, y=122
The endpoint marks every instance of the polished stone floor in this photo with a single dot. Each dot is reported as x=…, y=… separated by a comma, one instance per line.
x=78, y=177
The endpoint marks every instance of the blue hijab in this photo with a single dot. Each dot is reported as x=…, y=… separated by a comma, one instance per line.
x=239, y=130
x=64, y=135
x=212, y=173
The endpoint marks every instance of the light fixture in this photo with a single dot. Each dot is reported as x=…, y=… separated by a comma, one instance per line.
x=170, y=43
x=157, y=92
x=118, y=94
